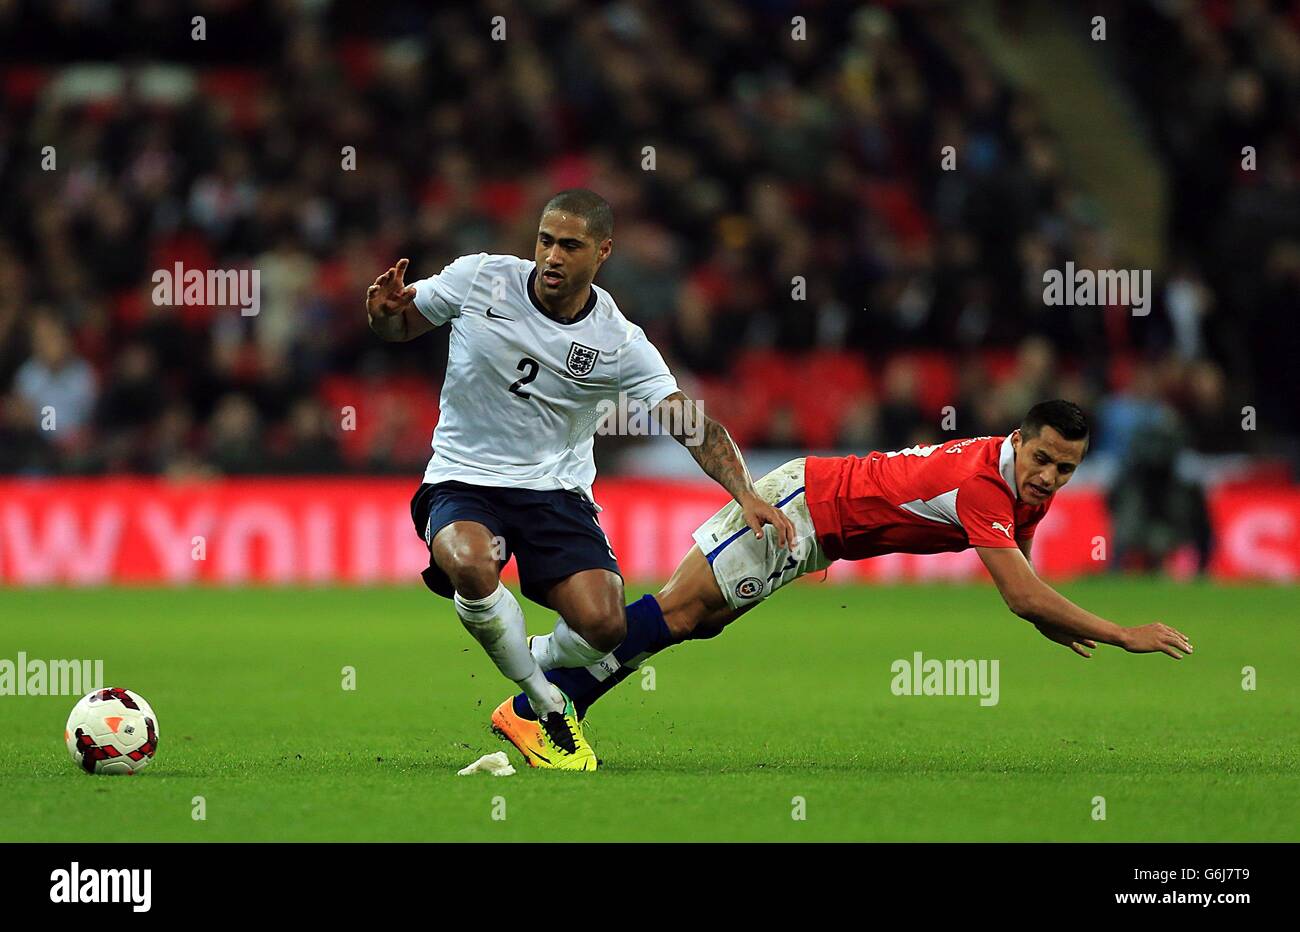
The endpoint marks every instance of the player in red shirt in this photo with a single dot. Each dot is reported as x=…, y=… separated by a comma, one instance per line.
x=989, y=493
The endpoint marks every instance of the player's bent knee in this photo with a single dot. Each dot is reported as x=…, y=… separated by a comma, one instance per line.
x=467, y=561
x=472, y=575
x=474, y=581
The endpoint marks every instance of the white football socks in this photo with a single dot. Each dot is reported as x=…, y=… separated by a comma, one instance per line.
x=497, y=622
x=565, y=647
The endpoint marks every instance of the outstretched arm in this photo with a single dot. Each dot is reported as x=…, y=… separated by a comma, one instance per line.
x=1035, y=601
x=1080, y=646
x=390, y=306
x=712, y=447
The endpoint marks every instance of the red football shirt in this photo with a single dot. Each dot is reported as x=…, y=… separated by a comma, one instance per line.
x=945, y=497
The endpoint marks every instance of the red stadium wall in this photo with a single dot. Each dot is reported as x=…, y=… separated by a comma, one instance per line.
x=358, y=531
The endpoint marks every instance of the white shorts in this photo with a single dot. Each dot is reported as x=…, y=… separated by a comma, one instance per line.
x=749, y=570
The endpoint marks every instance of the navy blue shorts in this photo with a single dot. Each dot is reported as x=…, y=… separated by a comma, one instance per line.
x=552, y=534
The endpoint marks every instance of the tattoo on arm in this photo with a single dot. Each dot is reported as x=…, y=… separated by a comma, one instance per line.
x=715, y=451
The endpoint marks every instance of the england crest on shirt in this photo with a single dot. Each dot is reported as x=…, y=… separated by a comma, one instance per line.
x=582, y=359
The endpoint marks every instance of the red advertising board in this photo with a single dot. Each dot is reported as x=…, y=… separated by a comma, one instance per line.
x=359, y=531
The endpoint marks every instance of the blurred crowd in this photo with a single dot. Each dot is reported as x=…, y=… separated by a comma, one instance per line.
x=775, y=160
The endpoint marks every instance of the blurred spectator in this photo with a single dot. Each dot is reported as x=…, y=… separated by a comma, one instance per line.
x=128, y=410
x=1214, y=424
x=899, y=415
x=56, y=380
x=1035, y=378
x=310, y=447
x=24, y=448
x=1153, y=510
x=134, y=397
x=1124, y=415
x=234, y=444
x=173, y=438
x=859, y=431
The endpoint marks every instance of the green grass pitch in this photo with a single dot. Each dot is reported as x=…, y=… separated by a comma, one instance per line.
x=793, y=701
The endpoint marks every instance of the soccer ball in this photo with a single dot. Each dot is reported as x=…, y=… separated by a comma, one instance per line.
x=112, y=731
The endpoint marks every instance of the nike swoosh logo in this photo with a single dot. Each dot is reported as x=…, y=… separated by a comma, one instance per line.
x=498, y=316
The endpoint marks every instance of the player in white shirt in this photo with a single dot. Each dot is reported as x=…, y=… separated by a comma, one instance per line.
x=535, y=350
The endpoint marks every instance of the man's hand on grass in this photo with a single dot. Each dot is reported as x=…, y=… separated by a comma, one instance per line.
x=1156, y=637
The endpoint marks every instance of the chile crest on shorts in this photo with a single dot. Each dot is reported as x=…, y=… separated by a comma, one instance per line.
x=749, y=587
x=582, y=359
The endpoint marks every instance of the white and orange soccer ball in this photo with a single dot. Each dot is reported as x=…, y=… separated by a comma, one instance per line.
x=112, y=731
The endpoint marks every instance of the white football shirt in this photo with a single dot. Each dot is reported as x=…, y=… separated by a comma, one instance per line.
x=522, y=398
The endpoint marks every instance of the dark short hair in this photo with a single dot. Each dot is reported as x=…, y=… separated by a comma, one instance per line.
x=588, y=205
x=1064, y=417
